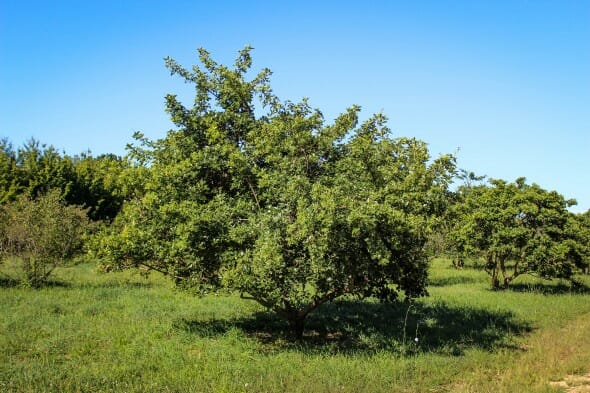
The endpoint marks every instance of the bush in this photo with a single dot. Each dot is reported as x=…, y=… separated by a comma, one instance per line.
x=40, y=234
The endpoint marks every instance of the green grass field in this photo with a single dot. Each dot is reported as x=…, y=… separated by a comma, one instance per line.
x=120, y=332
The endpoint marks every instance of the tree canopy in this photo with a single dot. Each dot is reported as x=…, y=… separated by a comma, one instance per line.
x=98, y=183
x=520, y=228
x=261, y=196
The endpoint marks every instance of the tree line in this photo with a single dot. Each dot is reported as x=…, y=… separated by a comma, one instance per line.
x=97, y=183
x=264, y=197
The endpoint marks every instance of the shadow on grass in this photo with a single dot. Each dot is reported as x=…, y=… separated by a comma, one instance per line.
x=452, y=280
x=7, y=282
x=356, y=326
x=551, y=288
x=116, y=285
x=55, y=283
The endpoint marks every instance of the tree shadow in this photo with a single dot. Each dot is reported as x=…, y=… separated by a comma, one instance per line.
x=452, y=280
x=55, y=283
x=116, y=284
x=551, y=288
x=7, y=282
x=351, y=327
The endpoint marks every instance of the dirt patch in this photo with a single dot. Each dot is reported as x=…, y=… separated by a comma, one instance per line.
x=574, y=383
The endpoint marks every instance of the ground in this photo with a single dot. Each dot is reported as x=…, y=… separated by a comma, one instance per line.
x=574, y=384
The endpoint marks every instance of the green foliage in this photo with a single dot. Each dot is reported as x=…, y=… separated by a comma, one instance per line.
x=578, y=228
x=441, y=242
x=96, y=183
x=8, y=179
x=41, y=234
x=276, y=204
x=34, y=170
x=100, y=184
x=519, y=229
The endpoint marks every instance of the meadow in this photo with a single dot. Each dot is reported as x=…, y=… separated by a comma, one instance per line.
x=122, y=332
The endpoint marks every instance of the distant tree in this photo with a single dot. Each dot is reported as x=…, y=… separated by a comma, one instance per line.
x=440, y=241
x=272, y=202
x=9, y=182
x=35, y=169
x=518, y=229
x=41, y=234
x=100, y=185
x=42, y=168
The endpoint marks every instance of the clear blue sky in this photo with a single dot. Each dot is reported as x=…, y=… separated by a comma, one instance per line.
x=506, y=82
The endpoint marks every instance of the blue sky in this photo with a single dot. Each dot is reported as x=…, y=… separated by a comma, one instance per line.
x=507, y=83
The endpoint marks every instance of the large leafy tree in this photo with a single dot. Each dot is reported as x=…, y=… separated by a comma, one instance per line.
x=261, y=196
x=519, y=229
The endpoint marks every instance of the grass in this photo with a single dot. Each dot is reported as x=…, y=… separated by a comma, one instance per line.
x=89, y=332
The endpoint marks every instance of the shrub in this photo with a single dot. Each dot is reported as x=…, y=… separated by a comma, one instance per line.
x=40, y=234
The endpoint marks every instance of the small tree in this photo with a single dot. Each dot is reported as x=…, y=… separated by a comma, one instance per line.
x=274, y=203
x=518, y=229
x=41, y=234
x=450, y=245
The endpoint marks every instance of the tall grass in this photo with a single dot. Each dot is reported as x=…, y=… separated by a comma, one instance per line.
x=120, y=332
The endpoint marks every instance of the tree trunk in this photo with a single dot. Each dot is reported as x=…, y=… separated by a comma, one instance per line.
x=495, y=276
x=495, y=280
x=296, y=326
x=492, y=268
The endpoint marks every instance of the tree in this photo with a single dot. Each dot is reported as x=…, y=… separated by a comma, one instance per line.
x=8, y=182
x=97, y=183
x=449, y=244
x=518, y=229
x=100, y=185
x=42, y=234
x=272, y=202
x=440, y=243
x=578, y=228
x=41, y=168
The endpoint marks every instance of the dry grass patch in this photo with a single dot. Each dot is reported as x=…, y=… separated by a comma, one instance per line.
x=574, y=384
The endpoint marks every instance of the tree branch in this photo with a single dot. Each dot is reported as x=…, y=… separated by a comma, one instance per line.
x=164, y=272
x=253, y=193
x=321, y=300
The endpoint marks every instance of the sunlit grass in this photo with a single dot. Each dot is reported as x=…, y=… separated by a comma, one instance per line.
x=121, y=332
